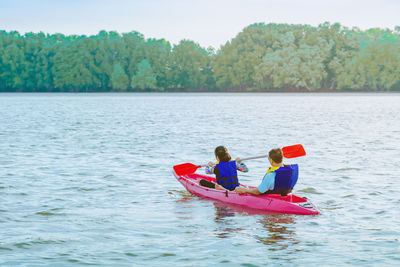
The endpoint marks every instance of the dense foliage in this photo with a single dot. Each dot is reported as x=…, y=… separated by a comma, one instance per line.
x=263, y=57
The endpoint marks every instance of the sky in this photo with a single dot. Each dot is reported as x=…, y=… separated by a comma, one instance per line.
x=207, y=22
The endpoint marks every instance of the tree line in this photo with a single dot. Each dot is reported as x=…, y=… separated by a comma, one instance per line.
x=262, y=57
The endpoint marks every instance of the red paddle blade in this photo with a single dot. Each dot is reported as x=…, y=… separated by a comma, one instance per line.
x=185, y=168
x=293, y=151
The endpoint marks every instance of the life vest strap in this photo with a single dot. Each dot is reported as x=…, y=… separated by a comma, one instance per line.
x=228, y=180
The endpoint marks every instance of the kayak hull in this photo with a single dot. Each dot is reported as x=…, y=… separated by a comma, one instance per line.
x=290, y=204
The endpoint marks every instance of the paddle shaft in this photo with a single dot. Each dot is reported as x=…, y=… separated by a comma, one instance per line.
x=250, y=158
x=256, y=157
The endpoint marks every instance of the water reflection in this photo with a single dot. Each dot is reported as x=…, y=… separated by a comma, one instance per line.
x=279, y=234
x=225, y=227
x=275, y=230
x=280, y=231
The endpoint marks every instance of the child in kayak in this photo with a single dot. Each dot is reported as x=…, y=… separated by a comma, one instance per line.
x=279, y=179
x=225, y=170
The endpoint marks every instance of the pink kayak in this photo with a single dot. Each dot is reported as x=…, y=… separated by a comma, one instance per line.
x=291, y=203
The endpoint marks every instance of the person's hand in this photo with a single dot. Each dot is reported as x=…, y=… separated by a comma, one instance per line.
x=237, y=159
x=240, y=190
x=211, y=164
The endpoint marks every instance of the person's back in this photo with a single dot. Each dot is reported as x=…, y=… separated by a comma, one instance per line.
x=279, y=179
x=285, y=179
x=226, y=174
x=225, y=170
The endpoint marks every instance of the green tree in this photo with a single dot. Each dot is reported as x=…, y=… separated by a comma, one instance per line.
x=13, y=66
x=190, y=65
x=119, y=79
x=292, y=66
x=375, y=67
x=144, y=78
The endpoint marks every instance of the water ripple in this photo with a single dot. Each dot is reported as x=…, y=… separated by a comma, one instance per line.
x=87, y=179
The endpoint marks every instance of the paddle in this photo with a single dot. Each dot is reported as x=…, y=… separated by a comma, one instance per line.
x=289, y=152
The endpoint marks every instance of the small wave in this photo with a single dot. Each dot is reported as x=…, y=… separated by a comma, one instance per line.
x=309, y=190
x=47, y=213
x=4, y=248
x=347, y=169
x=332, y=205
x=20, y=194
x=375, y=194
x=168, y=254
x=86, y=189
x=248, y=265
x=131, y=254
x=22, y=245
x=333, y=208
x=39, y=241
x=182, y=193
x=54, y=209
x=44, y=242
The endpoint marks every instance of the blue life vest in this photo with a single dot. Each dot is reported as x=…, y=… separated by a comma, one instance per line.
x=285, y=179
x=226, y=174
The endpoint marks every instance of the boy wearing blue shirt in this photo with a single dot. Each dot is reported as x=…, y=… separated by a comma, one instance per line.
x=275, y=157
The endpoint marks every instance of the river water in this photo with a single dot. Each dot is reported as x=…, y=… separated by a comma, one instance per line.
x=87, y=179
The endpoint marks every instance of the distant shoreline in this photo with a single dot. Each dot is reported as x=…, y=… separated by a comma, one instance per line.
x=261, y=58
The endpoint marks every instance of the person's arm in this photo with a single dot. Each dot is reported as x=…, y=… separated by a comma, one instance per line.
x=210, y=168
x=267, y=183
x=243, y=190
x=240, y=166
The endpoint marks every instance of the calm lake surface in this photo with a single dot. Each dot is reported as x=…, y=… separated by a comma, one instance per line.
x=87, y=179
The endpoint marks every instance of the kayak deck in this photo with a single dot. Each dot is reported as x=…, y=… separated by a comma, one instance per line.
x=291, y=203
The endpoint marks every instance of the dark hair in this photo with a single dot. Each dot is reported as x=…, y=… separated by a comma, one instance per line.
x=222, y=153
x=276, y=155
